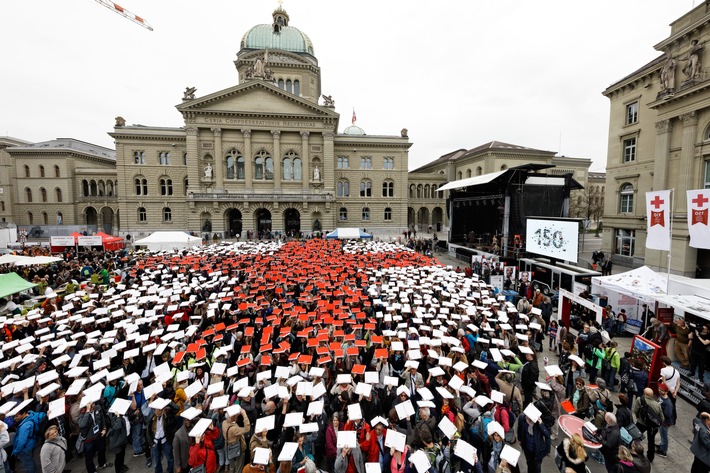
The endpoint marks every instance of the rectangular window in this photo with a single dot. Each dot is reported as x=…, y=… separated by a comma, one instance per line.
x=707, y=175
x=342, y=162
x=388, y=163
x=365, y=162
x=625, y=242
x=343, y=213
x=630, y=150
x=632, y=113
x=139, y=157
x=164, y=158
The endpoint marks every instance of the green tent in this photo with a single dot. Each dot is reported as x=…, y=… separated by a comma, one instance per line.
x=11, y=283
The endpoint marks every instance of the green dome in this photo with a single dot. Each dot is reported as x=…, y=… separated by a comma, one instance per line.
x=353, y=130
x=287, y=39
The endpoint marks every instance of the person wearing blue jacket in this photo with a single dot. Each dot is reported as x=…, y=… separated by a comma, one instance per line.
x=534, y=439
x=27, y=437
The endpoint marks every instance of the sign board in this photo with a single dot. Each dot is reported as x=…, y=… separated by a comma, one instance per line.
x=61, y=241
x=554, y=238
x=665, y=314
x=90, y=241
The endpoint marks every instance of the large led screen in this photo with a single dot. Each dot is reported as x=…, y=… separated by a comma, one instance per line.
x=553, y=238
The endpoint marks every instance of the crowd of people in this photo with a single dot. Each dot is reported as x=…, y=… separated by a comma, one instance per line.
x=343, y=357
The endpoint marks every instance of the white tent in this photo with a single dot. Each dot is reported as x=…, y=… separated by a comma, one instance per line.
x=166, y=241
x=641, y=283
x=347, y=234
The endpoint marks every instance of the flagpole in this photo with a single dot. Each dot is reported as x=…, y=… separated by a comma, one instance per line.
x=670, y=247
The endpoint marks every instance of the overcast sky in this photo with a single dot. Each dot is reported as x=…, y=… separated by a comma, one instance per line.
x=456, y=73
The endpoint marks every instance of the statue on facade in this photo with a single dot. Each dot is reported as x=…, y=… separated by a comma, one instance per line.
x=260, y=65
x=316, y=174
x=668, y=74
x=208, y=171
x=404, y=133
x=249, y=73
x=692, y=66
x=120, y=121
x=328, y=101
x=189, y=93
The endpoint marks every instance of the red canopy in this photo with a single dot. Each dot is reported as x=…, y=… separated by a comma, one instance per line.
x=110, y=242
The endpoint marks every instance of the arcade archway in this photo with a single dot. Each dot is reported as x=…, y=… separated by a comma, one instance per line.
x=234, y=223
x=263, y=222
x=292, y=222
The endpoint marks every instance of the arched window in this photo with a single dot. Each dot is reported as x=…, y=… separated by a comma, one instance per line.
x=366, y=213
x=231, y=161
x=426, y=191
x=92, y=187
x=241, y=168
x=138, y=157
x=460, y=175
x=342, y=162
x=45, y=218
x=297, y=87
x=289, y=86
x=56, y=171
x=412, y=191
x=343, y=188
x=263, y=166
x=468, y=173
x=420, y=190
x=164, y=158
x=343, y=213
x=503, y=167
x=184, y=158
x=142, y=214
x=626, y=198
x=41, y=171
x=297, y=169
x=141, y=186
x=388, y=189
x=27, y=171
x=43, y=194
x=185, y=185
x=30, y=218
x=282, y=84
x=434, y=194
x=109, y=188
x=60, y=218
x=287, y=171
x=166, y=186
x=28, y=194
x=388, y=214
x=85, y=188
x=58, y=194
x=102, y=188
x=167, y=214
x=365, y=188
x=479, y=171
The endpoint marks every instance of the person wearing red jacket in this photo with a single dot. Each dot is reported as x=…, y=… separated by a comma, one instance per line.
x=331, y=441
x=363, y=430
x=202, y=451
x=374, y=448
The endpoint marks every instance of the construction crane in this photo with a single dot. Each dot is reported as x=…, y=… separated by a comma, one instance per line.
x=125, y=13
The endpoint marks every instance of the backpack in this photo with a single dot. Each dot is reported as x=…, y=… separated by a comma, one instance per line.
x=480, y=426
x=547, y=418
x=648, y=416
x=589, y=351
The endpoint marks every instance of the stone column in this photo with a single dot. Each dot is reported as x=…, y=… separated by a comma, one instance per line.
x=193, y=160
x=277, y=160
x=218, y=159
x=687, y=161
x=305, y=160
x=248, y=165
x=327, y=174
x=662, y=154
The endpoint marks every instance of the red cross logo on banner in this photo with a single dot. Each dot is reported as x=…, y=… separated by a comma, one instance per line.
x=657, y=218
x=657, y=202
x=700, y=200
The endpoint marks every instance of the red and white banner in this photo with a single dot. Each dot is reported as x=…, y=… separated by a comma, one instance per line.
x=698, y=209
x=658, y=210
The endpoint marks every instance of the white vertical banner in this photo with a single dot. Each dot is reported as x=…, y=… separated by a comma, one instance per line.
x=658, y=209
x=698, y=209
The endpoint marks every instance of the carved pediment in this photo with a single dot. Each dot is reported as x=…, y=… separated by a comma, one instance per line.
x=254, y=97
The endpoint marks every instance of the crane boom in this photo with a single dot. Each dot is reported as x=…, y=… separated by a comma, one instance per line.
x=125, y=13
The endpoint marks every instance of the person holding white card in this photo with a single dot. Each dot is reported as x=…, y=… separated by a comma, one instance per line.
x=534, y=438
x=349, y=459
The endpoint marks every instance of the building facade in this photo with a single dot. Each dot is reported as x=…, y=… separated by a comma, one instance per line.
x=659, y=138
x=261, y=156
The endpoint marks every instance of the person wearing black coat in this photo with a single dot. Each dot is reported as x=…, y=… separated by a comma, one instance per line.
x=610, y=440
x=534, y=439
x=530, y=374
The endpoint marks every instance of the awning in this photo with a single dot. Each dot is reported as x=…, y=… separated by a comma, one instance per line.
x=12, y=283
x=471, y=181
